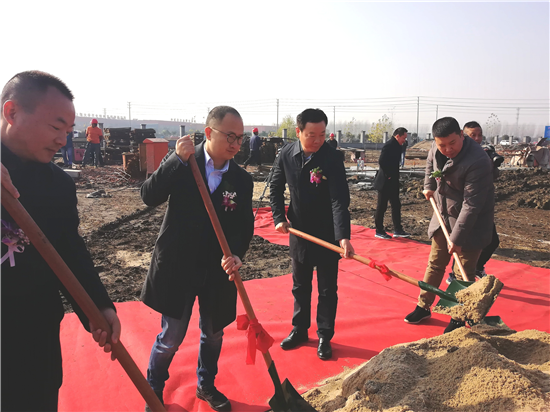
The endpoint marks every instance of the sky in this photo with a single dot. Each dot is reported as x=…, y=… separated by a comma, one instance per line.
x=355, y=60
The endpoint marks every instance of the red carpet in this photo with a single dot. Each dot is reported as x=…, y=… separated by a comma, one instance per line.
x=370, y=318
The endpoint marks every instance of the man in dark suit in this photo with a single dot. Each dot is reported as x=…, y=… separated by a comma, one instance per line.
x=37, y=114
x=186, y=260
x=319, y=200
x=386, y=182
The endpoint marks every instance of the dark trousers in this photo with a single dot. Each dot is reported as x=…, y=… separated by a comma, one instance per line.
x=389, y=192
x=489, y=250
x=31, y=364
x=254, y=157
x=327, y=286
x=92, y=155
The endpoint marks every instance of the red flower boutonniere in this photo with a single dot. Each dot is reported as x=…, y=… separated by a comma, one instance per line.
x=437, y=175
x=316, y=176
x=228, y=201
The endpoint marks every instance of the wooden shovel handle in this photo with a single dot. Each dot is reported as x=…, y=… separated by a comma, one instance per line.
x=446, y=232
x=223, y=243
x=358, y=258
x=79, y=294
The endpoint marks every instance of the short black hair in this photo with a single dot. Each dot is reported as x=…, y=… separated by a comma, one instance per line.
x=24, y=88
x=400, y=131
x=218, y=113
x=445, y=126
x=472, y=125
x=310, y=116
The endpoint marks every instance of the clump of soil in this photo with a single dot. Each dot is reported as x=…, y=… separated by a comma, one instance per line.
x=469, y=370
x=476, y=300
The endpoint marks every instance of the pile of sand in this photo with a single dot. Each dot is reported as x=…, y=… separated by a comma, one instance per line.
x=476, y=300
x=468, y=370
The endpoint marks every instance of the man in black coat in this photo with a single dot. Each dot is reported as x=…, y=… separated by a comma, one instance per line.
x=188, y=262
x=319, y=200
x=37, y=115
x=386, y=182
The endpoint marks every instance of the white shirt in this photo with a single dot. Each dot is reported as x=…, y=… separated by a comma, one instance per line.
x=213, y=176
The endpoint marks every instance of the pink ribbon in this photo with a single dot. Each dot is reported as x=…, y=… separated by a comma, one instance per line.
x=382, y=268
x=257, y=337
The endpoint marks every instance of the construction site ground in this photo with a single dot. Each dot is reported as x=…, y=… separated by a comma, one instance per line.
x=120, y=230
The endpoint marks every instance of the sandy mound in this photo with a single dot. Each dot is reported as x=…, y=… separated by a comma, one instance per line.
x=476, y=300
x=469, y=370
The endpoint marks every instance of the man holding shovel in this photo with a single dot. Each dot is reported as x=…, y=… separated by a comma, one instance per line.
x=37, y=115
x=187, y=261
x=319, y=200
x=459, y=175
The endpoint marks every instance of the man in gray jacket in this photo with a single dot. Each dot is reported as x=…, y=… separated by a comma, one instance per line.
x=459, y=175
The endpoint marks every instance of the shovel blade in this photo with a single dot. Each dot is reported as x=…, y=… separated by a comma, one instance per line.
x=286, y=398
x=292, y=402
x=454, y=287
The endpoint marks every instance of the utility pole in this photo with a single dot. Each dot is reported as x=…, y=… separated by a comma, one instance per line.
x=277, y=114
x=517, y=125
x=104, y=112
x=130, y=113
x=417, y=114
x=436, y=111
x=334, y=124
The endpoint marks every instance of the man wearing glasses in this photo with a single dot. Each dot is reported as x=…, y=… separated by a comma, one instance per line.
x=186, y=260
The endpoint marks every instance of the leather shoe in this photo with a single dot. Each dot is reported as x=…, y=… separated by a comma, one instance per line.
x=324, y=351
x=295, y=338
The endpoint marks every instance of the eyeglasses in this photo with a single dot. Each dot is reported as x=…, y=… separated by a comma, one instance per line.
x=232, y=137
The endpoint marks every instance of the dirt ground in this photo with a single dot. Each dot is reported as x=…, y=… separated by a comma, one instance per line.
x=120, y=230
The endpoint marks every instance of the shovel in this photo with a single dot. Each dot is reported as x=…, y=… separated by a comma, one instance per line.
x=286, y=398
x=457, y=285
x=73, y=286
x=444, y=296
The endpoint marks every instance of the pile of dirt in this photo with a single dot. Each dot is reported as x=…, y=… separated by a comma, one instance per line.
x=469, y=370
x=476, y=300
x=533, y=184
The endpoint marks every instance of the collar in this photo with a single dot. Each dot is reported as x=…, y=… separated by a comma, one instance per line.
x=209, y=163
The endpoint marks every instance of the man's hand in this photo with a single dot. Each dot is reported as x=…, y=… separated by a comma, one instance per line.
x=282, y=227
x=7, y=184
x=349, y=251
x=100, y=336
x=185, y=148
x=428, y=193
x=231, y=265
x=454, y=248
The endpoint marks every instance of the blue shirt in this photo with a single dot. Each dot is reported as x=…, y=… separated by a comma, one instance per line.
x=213, y=176
x=255, y=143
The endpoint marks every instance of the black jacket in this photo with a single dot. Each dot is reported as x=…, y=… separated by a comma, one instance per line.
x=389, y=161
x=319, y=210
x=30, y=288
x=187, y=253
